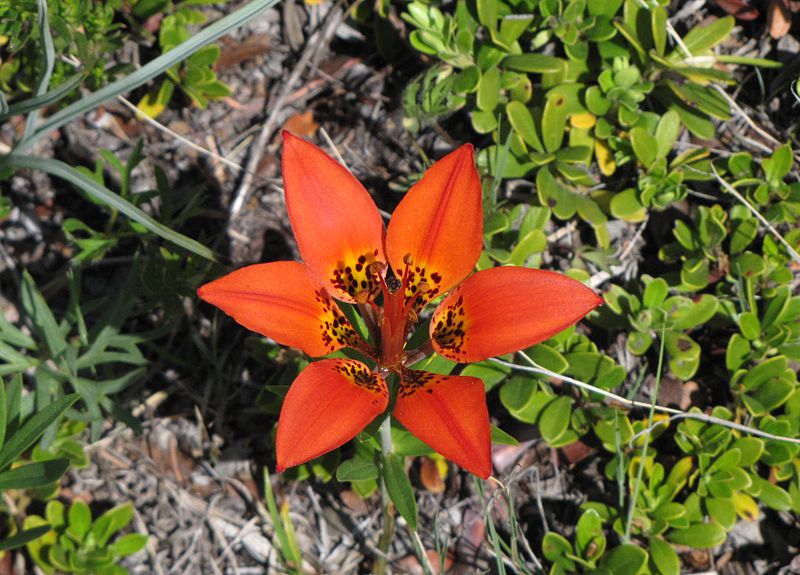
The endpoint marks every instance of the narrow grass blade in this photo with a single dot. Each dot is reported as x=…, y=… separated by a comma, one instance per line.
x=33, y=429
x=48, y=61
x=51, y=97
x=109, y=198
x=24, y=537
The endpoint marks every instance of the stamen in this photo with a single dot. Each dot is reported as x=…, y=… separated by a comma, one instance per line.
x=377, y=268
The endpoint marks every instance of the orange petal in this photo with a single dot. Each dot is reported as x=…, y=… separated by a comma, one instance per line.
x=448, y=412
x=506, y=309
x=439, y=223
x=284, y=301
x=327, y=405
x=337, y=225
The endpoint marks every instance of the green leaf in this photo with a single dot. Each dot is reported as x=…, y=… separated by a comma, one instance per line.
x=534, y=242
x=501, y=437
x=43, y=320
x=695, y=314
x=722, y=511
x=111, y=522
x=33, y=475
x=589, y=527
x=639, y=342
x=644, y=146
x=487, y=13
x=749, y=325
x=743, y=232
x=555, y=546
x=548, y=357
x=667, y=131
x=80, y=520
x=777, y=167
x=205, y=56
x=625, y=205
x=489, y=90
x=522, y=121
x=490, y=373
x=554, y=195
x=3, y=412
x=534, y=63
x=684, y=354
x=33, y=428
x=655, y=293
x=554, y=122
x=764, y=371
x=771, y=495
x=128, y=544
x=108, y=198
x=23, y=537
x=699, y=535
x=483, y=121
x=399, y=488
x=554, y=421
x=658, y=22
x=747, y=61
x=356, y=469
x=701, y=39
x=663, y=558
x=625, y=559
x=737, y=352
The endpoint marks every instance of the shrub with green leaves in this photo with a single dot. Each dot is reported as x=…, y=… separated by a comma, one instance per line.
x=19, y=431
x=86, y=34
x=77, y=543
x=612, y=94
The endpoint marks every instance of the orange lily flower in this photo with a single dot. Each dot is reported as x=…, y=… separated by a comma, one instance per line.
x=430, y=248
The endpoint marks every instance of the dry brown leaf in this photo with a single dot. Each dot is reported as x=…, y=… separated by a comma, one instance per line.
x=779, y=18
x=430, y=475
x=576, y=451
x=234, y=54
x=739, y=9
x=302, y=124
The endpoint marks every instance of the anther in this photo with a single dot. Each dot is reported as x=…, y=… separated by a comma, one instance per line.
x=393, y=284
x=408, y=260
x=422, y=287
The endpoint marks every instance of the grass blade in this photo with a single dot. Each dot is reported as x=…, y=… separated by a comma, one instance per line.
x=109, y=198
x=48, y=61
x=51, y=97
x=33, y=429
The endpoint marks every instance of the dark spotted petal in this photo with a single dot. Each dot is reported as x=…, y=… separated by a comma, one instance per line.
x=506, y=309
x=284, y=301
x=448, y=412
x=337, y=226
x=439, y=224
x=327, y=405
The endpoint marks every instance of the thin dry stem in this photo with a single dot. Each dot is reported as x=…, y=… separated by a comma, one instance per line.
x=535, y=368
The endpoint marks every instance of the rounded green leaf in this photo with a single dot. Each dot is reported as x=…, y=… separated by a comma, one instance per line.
x=625, y=559
x=554, y=420
x=663, y=558
x=626, y=206
x=555, y=546
x=699, y=535
x=535, y=63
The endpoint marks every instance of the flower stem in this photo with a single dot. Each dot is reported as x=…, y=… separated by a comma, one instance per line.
x=388, y=514
x=379, y=568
